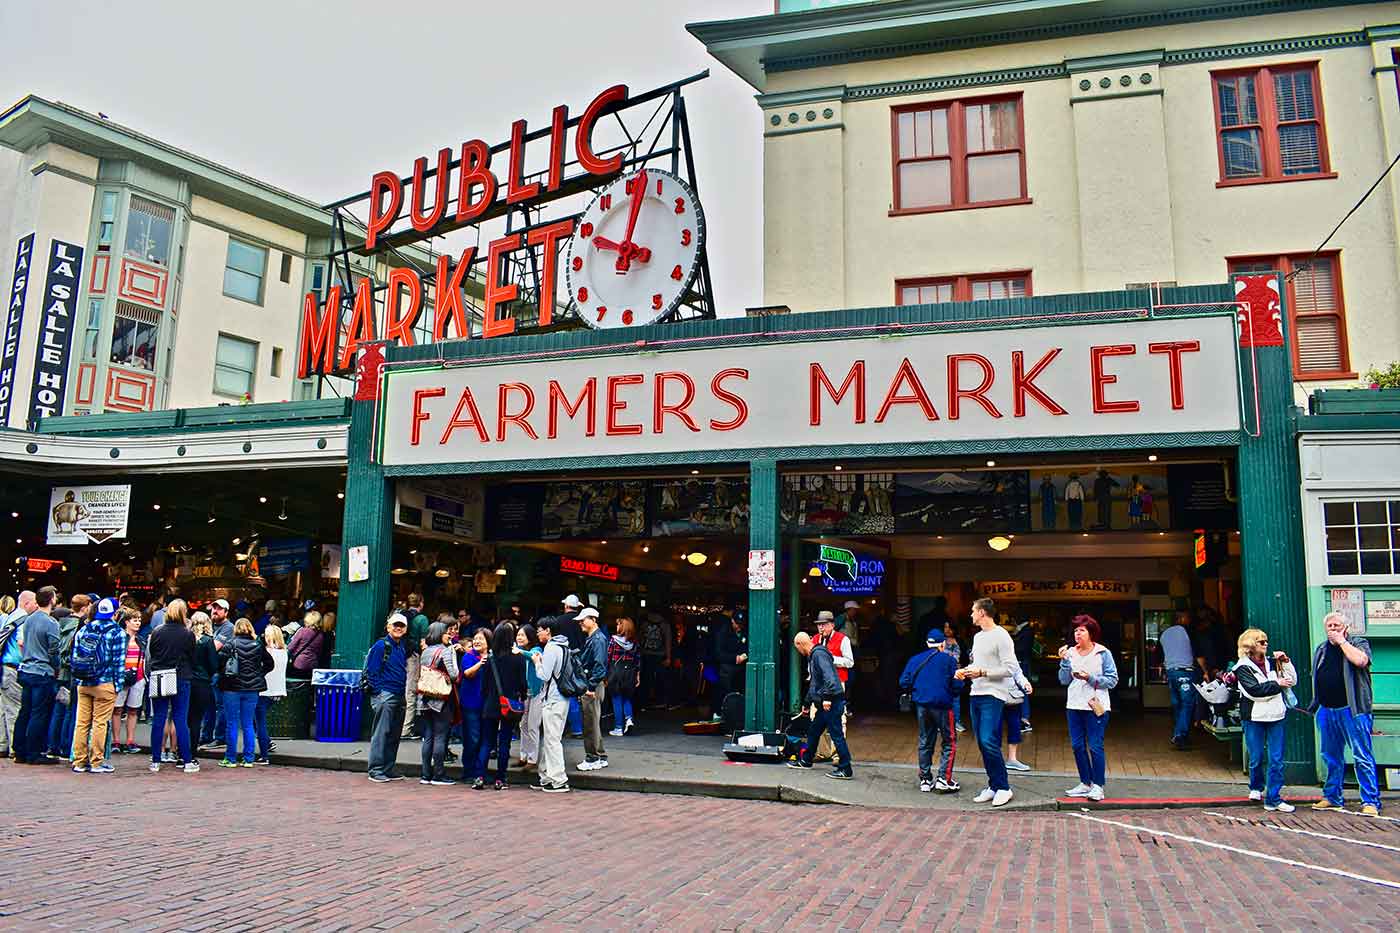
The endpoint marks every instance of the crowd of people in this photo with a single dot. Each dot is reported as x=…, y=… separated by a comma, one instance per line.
x=80, y=673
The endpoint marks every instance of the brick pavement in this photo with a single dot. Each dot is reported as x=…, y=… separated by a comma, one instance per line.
x=282, y=848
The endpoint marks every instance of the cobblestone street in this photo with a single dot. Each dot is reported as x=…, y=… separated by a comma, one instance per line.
x=284, y=848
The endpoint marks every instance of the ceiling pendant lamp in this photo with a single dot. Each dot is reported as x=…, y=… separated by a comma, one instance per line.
x=999, y=542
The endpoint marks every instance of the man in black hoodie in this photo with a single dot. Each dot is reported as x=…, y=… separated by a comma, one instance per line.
x=826, y=696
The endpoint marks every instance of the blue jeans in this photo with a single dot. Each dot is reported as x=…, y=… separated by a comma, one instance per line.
x=178, y=709
x=473, y=760
x=1261, y=737
x=219, y=727
x=62, y=721
x=829, y=721
x=936, y=724
x=987, y=712
x=1183, y=701
x=240, y=707
x=575, y=717
x=387, y=707
x=260, y=725
x=1086, y=738
x=31, y=734
x=1340, y=728
x=495, y=737
x=435, y=727
x=622, y=710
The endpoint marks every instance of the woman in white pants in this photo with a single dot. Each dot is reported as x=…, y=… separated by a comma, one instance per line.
x=527, y=641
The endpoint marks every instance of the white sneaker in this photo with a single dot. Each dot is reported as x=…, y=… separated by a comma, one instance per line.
x=600, y=764
x=153, y=768
x=1078, y=790
x=1282, y=807
x=627, y=728
x=984, y=795
x=1017, y=766
x=1002, y=797
x=1256, y=795
x=1095, y=792
x=616, y=733
x=191, y=767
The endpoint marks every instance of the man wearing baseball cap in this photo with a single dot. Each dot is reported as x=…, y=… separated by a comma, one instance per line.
x=566, y=626
x=843, y=656
x=223, y=635
x=386, y=670
x=97, y=692
x=593, y=663
x=929, y=678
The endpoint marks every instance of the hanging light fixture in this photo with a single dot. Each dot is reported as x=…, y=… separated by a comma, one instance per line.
x=815, y=571
x=697, y=558
x=210, y=520
x=282, y=515
x=999, y=542
x=501, y=570
x=442, y=572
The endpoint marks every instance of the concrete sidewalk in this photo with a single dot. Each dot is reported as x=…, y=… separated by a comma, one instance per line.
x=705, y=772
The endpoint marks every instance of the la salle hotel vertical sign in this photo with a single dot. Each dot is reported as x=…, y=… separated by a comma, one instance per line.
x=59, y=310
x=14, y=321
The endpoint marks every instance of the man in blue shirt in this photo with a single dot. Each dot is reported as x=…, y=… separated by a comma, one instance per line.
x=38, y=677
x=1180, y=658
x=11, y=693
x=386, y=669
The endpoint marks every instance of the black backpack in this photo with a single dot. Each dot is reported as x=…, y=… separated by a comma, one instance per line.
x=569, y=680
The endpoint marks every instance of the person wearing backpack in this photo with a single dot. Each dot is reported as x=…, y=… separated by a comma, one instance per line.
x=929, y=678
x=11, y=654
x=624, y=675
x=385, y=672
x=38, y=676
x=98, y=656
x=551, y=663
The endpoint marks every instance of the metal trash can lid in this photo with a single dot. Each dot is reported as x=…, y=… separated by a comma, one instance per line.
x=329, y=677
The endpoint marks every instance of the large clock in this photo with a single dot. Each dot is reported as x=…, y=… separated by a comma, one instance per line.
x=635, y=251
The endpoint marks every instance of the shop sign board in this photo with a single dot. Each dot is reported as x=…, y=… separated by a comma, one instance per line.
x=358, y=571
x=442, y=506
x=330, y=561
x=281, y=557
x=82, y=514
x=846, y=573
x=56, y=322
x=14, y=321
x=1080, y=589
x=763, y=569
x=1139, y=377
x=583, y=567
x=39, y=564
x=1351, y=605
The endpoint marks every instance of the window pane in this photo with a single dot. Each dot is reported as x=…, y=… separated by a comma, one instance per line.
x=1341, y=539
x=1374, y=537
x=1395, y=512
x=940, y=132
x=242, y=285
x=1370, y=513
x=1319, y=344
x=236, y=353
x=148, y=228
x=245, y=258
x=923, y=134
x=986, y=289
x=1314, y=285
x=134, y=344
x=1298, y=146
x=232, y=381
x=992, y=126
x=1237, y=101
x=936, y=293
x=93, y=330
x=108, y=218
x=1293, y=91
x=1242, y=153
x=1342, y=563
x=1375, y=562
x=1338, y=513
x=906, y=135
x=925, y=184
x=909, y=296
x=994, y=177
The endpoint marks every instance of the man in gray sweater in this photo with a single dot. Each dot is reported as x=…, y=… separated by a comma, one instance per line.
x=993, y=659
x=38, y=677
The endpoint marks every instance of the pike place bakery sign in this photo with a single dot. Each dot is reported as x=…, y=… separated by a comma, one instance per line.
x=1140, y=377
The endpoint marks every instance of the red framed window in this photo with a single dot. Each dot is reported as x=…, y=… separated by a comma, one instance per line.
x=962, y=288
x=958, y=154
x=1269, y=124
x=1316, y=311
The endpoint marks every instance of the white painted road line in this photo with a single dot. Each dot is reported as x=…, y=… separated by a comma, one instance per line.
x=1382, y=882
x=1349, y=840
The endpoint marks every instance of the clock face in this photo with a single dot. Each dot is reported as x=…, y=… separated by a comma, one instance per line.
x=635, y=251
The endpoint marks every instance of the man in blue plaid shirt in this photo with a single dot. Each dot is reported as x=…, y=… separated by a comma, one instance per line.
x=98, y=694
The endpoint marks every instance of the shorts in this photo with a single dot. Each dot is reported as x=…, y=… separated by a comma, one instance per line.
x=1011, y=716
x=133, y=697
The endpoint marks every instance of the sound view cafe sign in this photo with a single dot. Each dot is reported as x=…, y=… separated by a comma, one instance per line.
x=1137, y=377
x=632, y=254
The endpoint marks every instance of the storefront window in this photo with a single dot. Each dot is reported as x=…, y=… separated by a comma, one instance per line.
x=134, y=333
x=108, y=220
x=149, y=227
x=1363, y=537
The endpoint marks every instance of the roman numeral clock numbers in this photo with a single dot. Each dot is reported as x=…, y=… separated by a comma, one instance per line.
x=636, y=248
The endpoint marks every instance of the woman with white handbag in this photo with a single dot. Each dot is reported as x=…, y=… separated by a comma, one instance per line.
x=437, y=701
x=1262, y=679
x=170, y=663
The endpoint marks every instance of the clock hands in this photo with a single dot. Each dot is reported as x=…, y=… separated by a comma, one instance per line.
x=627, y=251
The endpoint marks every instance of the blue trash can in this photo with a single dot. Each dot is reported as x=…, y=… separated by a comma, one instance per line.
x=339, y=705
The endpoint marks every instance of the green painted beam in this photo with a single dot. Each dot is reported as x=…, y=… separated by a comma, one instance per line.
x=760, y=674
x=369, y=506
x=332, y=411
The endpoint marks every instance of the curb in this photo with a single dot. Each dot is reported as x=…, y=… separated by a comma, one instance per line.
x=1164, y=803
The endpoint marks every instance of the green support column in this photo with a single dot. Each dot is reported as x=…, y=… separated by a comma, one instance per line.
x=761, y=675
x=1271, y=526
x=369, y=519
x=796, y=574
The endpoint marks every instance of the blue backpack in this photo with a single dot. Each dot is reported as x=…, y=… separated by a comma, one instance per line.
x=86, y=661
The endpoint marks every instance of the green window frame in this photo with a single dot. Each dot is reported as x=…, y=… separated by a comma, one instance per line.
x=245, y=271
x=235, y=367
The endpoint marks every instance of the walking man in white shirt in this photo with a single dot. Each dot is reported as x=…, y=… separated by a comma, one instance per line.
x=993, y=655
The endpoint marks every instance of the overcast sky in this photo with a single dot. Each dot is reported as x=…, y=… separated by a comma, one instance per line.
x=299, y=93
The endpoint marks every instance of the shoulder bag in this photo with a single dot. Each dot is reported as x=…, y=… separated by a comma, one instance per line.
x=433, y=682
x=906, y=698
x=511, y=708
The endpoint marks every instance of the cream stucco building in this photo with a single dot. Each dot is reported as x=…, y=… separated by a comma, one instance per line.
x=919, y=151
